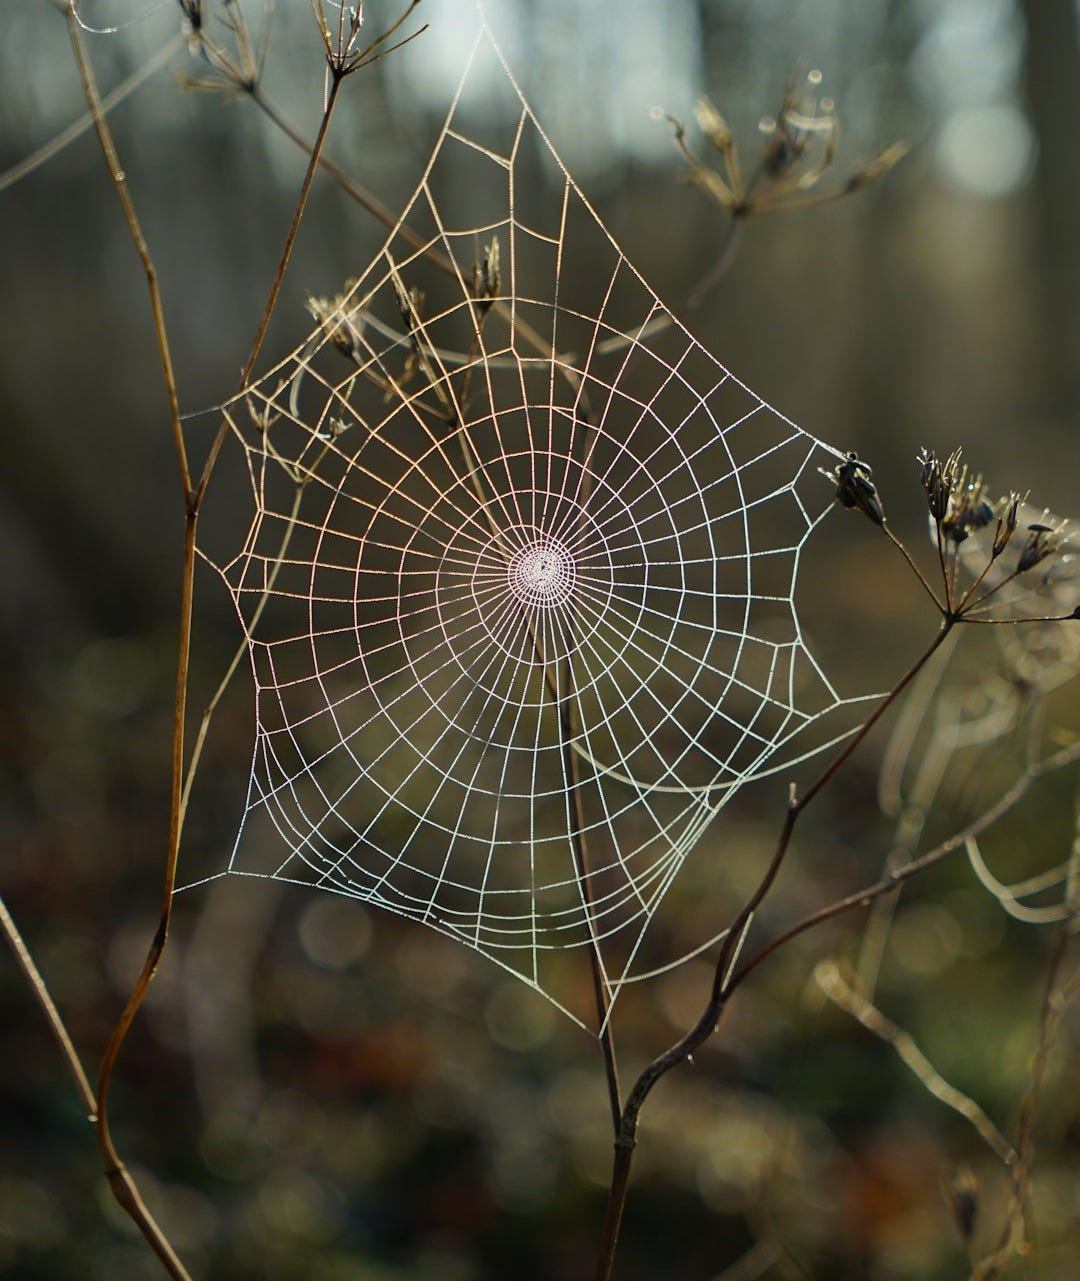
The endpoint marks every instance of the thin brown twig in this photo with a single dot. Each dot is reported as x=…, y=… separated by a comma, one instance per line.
x=1035, y=772
x=276, y=283
x=48, y=1007
x=119, y=181
x=123, y=1187
x=576, y=820
x=828, y=976
x=120, y=1181
x=898, y=544
x=564, y=701
x=725, y=979
x=77, y=128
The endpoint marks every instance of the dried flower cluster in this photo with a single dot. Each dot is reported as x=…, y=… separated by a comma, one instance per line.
x=341, y=320
x=855, y=490
x=800, y=148
x=221, y=38
x=959, y=505
x=960, y=508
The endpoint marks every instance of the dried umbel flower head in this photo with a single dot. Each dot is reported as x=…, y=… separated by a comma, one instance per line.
x=969, y=507
x=339, y=25
x=800, y=149
x=972, y=534
x=341, y=319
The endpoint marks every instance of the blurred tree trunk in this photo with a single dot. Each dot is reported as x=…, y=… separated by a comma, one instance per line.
x=1053, y=93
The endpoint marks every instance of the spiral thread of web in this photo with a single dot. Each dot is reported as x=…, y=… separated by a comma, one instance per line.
x=522, y=572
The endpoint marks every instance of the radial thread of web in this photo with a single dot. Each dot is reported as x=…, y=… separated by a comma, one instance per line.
x=522, y=570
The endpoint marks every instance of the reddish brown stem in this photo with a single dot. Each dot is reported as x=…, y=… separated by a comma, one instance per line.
x=120, y=1181
x=724, y=983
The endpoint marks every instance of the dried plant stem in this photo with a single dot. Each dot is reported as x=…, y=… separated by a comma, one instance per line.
x=913, y=567
x=123, y=1188
x=179, y=790
x=725, y=979
x=583, y=439
x=575, y=819
x=120, y=1181
x=725, y=255
x=829, y=978
x=241, y=650
x=382, y=214
x=119, y=180
x=279, y=277
x=1056, y=998
x=86, y=121
x=563, y=695
x=1035, y=772
x=56, y=1024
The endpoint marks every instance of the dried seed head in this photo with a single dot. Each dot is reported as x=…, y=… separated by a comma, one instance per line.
x=1007, y=512
x=968, y=508
x=877, y=168
x=855, y=490
x=799, y=151
x=342, y=321
x=713, y=125
x=1042, y=541
x=939, y=479
x=486, y=278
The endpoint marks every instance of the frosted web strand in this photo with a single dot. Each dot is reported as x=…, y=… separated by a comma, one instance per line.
x=499, y=491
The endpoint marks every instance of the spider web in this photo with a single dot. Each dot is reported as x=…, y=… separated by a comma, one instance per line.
x=519, y=590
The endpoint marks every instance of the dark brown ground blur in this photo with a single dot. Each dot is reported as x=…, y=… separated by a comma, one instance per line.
x=318, y=1091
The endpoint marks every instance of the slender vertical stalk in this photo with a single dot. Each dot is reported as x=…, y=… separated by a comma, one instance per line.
x=575, y=821
x=48, y=1008
x=120, y=1181
x=725, y=977
x=119, y=181
x=562, y=694
x=276, y=283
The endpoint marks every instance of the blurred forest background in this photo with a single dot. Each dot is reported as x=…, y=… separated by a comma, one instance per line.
x=324, y=1093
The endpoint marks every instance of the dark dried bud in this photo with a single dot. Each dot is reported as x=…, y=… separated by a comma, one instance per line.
x=963, y=1197
x=342, y=321
x=855, y=490
x=410, y=302
x=486, y=278
x=1042, y=541
x=781, y=152
x=968, y=509
x=1008, y=510
x=713, y=125
x=938, y=479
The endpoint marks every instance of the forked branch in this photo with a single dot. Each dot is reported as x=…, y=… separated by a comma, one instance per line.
x=120, y=1181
